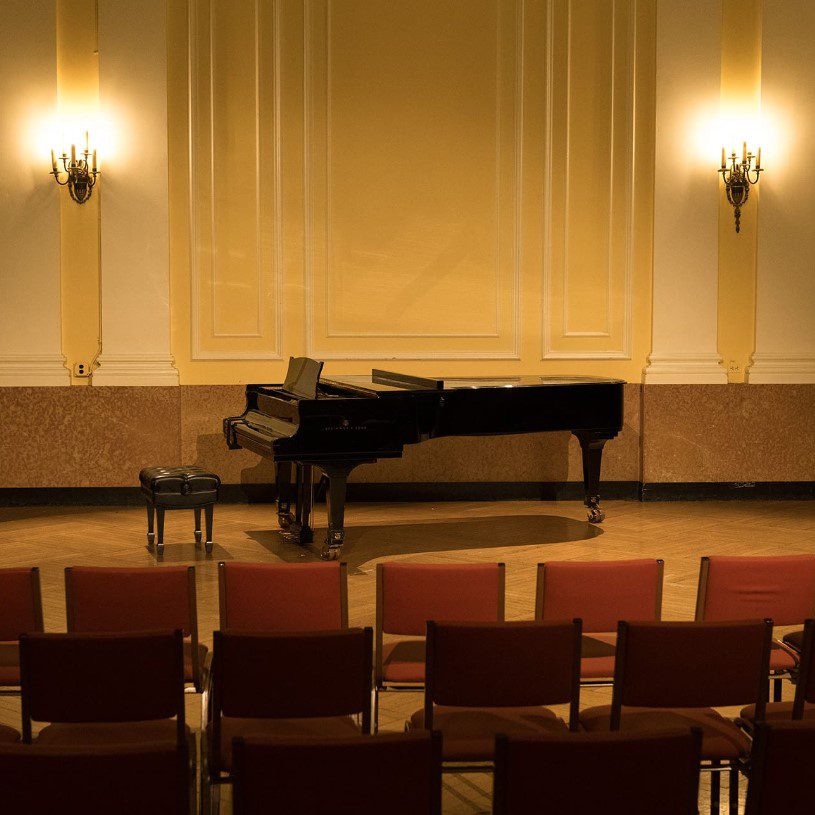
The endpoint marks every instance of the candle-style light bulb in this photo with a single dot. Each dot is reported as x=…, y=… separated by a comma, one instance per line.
x=758, y=159
x=724, y=163
x=53, y=162
x=94, y=162
x=744, y=153
x=86, y=143
x=73, y=154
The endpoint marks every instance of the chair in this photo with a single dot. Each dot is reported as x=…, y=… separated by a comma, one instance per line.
x=287, y=685
x=98, y=781
x=673, y=674
x=397, y=774
x=410, y=594
x=601, y=593
x=20, y=612
x=490, y=678
x=803, y=706
x=781, y=589
x=612, y=773
x=283, y=596
x=113, y=600
x=781, y=778
x=103, y=689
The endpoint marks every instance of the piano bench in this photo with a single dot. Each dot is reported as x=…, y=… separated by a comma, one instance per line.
x=179, y=488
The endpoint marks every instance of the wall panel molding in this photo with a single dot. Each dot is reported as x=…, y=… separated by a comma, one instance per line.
x=420, y=255
x=606, y=332
x=256, y=328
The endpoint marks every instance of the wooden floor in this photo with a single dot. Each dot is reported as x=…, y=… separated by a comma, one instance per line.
x=520, y=533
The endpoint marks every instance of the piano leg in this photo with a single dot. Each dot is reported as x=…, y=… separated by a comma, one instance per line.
x=337, y=481
x=305, y=503
x=592, y=447
x=285, y=492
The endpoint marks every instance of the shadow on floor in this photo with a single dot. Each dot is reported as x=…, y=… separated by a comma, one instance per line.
x=364, y=543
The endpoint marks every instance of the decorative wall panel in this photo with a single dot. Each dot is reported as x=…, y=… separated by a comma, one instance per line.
x=235, y=179
x=588, y=194
x=412, y=162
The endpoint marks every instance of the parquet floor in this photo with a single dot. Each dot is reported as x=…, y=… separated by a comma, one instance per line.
x=519, y=533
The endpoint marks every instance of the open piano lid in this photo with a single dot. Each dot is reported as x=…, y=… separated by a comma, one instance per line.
x=302, y=377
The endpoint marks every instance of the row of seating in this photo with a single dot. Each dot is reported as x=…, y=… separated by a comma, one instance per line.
x=317, y=685
x=401, y=774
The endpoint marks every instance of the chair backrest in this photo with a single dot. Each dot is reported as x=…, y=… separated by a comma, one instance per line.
x=398, y=774
x=283, y=596
x=83, y=780
x=805, y=685
x=747, y=588
x=691, y=664
x=587, y=773
x=290, y=675
x=20, y=603
x=601, y=593
x=102, y=678
x=781, y=777
x=507, y=664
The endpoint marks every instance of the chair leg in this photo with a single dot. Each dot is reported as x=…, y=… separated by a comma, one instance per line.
x=197, y=512
x=151, y=535
x=715, y=789
x=733, y=807
x=376, y=710
x=209, y=510
x=160, y=541
x=777, y=689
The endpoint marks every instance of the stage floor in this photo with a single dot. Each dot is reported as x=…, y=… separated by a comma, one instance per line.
x=519, y=533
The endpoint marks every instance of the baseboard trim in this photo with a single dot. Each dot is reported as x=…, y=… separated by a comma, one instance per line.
x=442, y=491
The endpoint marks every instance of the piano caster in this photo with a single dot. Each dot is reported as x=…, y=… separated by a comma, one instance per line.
x=285, y=519
x=330, y=552
x=332, y=548
x=596, y=515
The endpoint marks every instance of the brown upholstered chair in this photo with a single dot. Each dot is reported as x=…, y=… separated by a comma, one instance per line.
x=113, y=600
x=612, y=773
x=490, y=678
x=397, y=774
x=803, y=706
x=287, y=685
x=600, y=593
x=674, y=674
x=781, y=777
x=20, y=613
x=779, y=588
x=410, y=594
x=103, y=689
x=283, y=596
x=98, y=781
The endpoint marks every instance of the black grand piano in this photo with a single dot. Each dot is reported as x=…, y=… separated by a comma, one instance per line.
x=338, y=424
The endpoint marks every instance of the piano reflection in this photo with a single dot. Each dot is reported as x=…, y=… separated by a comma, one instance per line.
x=337, y=424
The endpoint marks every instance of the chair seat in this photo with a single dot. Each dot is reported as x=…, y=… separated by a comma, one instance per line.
x=468, y=734
x=597, y=652
x=795, y=639
x=780, y=658
x=319, y=726
x=404, y=661
x=8, y=735
x=721, y=738
x=774, y=712
x=202, y=655
x=9, y=664
x=100, y=734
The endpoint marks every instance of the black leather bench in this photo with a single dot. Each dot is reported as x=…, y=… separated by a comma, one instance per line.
x=179, y=488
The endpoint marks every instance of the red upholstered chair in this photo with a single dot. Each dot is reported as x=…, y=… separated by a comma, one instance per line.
x=674, y=674
x=600, y=593
x=98, y=781
x=20, y=613
x=781, y=777
x=103, y=689
x=803, y=706
x=781, y=589
x=397, y=774
x=490, y=678
x=630, y=774
x=410, y=594
x=113, y=600
x=283, y=596
x=288, y=685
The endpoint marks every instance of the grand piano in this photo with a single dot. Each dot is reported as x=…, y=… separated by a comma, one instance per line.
x=337, y=424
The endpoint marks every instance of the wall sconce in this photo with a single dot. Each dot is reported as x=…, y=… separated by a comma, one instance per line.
x=738, y=180
x=81, y=173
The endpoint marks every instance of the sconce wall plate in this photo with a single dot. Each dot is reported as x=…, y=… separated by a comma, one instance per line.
x=738, y=178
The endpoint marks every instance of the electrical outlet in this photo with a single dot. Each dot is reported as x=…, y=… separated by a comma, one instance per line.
x=82, y=369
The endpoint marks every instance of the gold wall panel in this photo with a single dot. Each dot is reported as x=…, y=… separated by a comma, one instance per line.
x=588, y=186
x=235, y=180
x=412, y=168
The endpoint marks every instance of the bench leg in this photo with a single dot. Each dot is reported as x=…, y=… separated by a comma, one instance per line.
x=160, y=541
x=151, y=535
x=208, y=513
x=197, y=512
